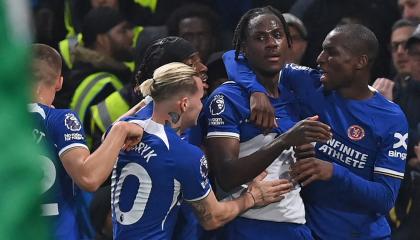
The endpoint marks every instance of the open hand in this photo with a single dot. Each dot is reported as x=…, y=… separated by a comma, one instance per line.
x=268, y=191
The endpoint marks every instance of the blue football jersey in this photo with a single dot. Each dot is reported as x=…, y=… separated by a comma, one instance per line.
x=228, y=111
x=368, y=152
x=58, y=130
x=148, y=180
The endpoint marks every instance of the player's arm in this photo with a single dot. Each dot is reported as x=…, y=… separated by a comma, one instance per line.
x=89, y=171
x=136, y=108
x=213, y=214
x=262, y=112
x=232, y=171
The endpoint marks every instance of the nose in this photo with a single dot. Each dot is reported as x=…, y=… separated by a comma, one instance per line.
x=321, y=58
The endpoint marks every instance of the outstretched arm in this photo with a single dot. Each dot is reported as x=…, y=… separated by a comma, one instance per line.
x=89, y=171
x=213, y=214
x=232, y=171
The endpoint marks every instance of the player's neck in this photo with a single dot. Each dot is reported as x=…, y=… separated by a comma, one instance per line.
x=360, y=91
x=44, y=96
x=165, y=116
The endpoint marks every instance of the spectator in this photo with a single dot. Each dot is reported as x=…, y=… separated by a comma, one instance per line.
x=410, y=9
x=401, y=31
x=99, y=69
x=299, y=37
x=197, y=24
x=408, y=212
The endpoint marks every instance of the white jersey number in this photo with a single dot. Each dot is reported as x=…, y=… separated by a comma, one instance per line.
x=50, y=174
x=136, y=212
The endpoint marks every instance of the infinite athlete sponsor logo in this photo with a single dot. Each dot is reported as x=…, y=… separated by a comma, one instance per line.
x=344, y=153
x=401, y=142
x=355, y=132
x=217, y=105
x=72, y=123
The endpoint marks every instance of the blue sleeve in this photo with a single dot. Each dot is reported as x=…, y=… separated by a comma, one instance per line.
x=192, y=172
x=223, y=119
x=146, y=112
x=238, y=71
x=303, y=81
x=380, y=194
x=67, y=131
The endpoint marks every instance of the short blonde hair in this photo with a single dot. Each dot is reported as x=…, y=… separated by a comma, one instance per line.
x=169, y=80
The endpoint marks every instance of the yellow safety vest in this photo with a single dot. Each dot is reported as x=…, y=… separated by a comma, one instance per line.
x=107, y=111
x=89, y=88
x=152, y=4
x=66, y=48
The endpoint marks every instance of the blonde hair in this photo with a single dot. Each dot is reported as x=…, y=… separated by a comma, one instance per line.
x=169, y=80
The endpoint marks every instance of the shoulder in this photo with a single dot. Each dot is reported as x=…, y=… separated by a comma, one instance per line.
x=231, y=91
x=66, y=118
x=387, y=115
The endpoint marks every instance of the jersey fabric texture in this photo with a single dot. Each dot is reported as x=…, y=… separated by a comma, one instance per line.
x=368, y=152
x=147, y=183
x=227, y=111
x=59, y=130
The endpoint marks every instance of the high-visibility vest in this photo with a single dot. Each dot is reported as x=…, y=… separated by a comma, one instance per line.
x=152, y=4
x=89, y=88
x=67, y=46
x=108, y=111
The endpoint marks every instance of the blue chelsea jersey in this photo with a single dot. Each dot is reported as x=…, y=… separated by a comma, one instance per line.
x=369, y=143
x=228, y=111
x=148, y=180
x=368, y=152
x=58, y=130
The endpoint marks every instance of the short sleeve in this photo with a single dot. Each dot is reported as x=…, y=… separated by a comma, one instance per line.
x=67, y=131
x=192, y=172
x=223, y=119
x=391, y=158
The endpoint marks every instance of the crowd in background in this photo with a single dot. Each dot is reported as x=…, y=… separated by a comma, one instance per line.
x=103, y=43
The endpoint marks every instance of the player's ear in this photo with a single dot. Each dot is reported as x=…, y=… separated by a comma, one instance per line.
x=362, y=62
x=184, y=102
x=59, y=83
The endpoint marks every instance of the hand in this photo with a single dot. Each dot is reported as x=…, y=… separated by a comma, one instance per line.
x=304, y=151
x=266, y=192
x=307, y=131
x=311, y=169
x=262, y=112
x=134, y=136
x=385, y=87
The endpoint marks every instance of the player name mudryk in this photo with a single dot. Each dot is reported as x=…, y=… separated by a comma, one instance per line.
x=145, y=151
x=344, y=153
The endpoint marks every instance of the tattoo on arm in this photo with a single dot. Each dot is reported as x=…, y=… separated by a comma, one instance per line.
x=202, y=211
